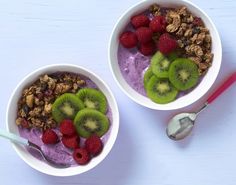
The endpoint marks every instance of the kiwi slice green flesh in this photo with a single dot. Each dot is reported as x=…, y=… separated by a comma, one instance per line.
x=66, y=106
x=147, y=75
x=90, y=121
x=160, y=90
x=160, y=65
x=93, y=99
x=183, y=74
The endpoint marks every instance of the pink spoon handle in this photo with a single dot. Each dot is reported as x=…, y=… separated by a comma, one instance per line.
x=222, y=88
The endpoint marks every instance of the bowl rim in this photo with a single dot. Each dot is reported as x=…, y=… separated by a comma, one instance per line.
x=156, y=106
x=63, y=172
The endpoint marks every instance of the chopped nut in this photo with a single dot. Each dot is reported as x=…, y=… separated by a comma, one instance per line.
x=188, y=33
x=208, y=57
x=198, y=51
x=180, y=43
x=30, y=100
x=48, y=108
x=196, y=60
x=194, y=38
x=18, y=121
x=61, y=88
x=200, y=38
x=180, y=32
x=182, y=11
x=44, y=78
x=184, y=26
x=194, y=49
x=22, y=113
x=175, y=24
x=35, y=112
x=190, y=19
x=51, y=83
x=81, y=82
x=204, y=29
x=36, y=101
x=75, y=86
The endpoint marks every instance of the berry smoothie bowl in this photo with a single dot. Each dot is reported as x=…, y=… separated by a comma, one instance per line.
x=165, y=54
x=67, y=111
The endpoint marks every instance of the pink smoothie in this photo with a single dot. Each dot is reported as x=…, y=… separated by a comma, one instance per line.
x=58, y=152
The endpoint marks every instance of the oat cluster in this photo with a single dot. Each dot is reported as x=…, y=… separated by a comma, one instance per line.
x=35, y=104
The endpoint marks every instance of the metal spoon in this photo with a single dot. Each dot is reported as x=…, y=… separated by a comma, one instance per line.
x=182, y=124
x=23, y=141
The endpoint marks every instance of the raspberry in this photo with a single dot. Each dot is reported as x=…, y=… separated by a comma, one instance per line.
x=147, y=48
x=166, y=44
x=71, y=141
x=67, y=127
x=158, y=24
x=139, y=21
x=49, y=137
x=81, y=156
x=144, y=34
x=128, y=39
x=94, y=145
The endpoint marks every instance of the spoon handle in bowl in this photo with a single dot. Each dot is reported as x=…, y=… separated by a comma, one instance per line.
x=13, y=137
x=222, y=88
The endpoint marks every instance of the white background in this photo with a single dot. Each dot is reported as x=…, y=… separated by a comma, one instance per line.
x=34, y=33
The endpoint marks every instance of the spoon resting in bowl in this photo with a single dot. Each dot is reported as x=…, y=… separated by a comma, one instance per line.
x=181, y=125
x=20, y=140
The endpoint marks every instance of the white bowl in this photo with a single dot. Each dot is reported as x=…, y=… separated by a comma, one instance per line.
x=41, y=165
x=206, y=82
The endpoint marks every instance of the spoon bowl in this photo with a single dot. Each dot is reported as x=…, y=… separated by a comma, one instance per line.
x=180, y=125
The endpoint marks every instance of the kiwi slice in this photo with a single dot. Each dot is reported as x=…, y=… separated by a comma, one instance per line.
x=66, y=106
x=160, y=65
x=93, y=99
x=160, y=90
x=90, y=121
x=147, y=75
x=183, y=73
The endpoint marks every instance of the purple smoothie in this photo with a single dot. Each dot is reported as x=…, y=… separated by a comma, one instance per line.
x=58, y=152
x=133, y=65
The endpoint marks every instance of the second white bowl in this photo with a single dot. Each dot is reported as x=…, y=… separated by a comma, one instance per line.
x=189, y=98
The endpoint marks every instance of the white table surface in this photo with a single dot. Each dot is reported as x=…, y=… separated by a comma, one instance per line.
x=34, y=33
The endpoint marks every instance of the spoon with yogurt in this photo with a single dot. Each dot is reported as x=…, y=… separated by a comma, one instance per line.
x=181, y=125
x=20, y=140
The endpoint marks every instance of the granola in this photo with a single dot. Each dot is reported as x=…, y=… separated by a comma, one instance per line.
x=35, y=104
x=193, y=37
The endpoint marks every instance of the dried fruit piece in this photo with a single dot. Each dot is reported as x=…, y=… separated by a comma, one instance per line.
x=140, y=21
x=197, y=21
x=81, y=156
x=128, y=39
x=49, y=137
x=144, y=34
x=94, y=145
